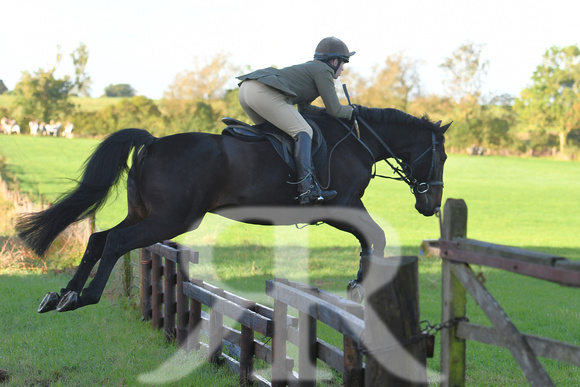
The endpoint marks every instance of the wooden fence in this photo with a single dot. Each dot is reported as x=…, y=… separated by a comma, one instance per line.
x=457, y=252
x=173, y=302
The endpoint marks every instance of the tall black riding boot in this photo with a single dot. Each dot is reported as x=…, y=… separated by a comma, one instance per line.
x=309, y=191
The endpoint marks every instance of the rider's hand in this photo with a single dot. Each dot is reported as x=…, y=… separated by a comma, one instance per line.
x=355, y=112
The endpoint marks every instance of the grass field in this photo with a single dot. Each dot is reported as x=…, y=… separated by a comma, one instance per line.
x=523, y=202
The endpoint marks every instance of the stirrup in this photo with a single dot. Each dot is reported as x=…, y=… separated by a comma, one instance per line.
x=315, y=195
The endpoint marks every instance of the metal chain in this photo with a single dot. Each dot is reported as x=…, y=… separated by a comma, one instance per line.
x=433, y=329
x=428, y=330
x=439, y=216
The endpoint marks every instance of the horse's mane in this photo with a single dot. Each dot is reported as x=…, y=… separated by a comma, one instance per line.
x=394, y=116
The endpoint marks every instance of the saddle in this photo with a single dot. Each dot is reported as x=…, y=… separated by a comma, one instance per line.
x=281, y=141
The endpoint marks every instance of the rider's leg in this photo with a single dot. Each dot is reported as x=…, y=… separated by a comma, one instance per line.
x=262, y=102
x=309, y=192
x=246, y=96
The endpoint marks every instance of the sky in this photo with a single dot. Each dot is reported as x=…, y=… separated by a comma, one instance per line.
x=146, y=43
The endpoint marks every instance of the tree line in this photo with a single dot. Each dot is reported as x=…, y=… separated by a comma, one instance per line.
x=544, y=116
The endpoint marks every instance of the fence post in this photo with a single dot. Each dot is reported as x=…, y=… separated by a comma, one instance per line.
x=145, y=287
x=395, y=348
x=453, y=298
x=92, y=223
x=157, y=291
x=182, y=301
x=127, y=275
x=247, y=349
x=307, y=353
x=279, y=342
x=194, y=326
x=353, y=375
x=169, y=299
x=216, y=322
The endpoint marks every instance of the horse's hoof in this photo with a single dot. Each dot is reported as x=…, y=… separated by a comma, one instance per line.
x=49, y=302
x=355, y=291
x=70, y=301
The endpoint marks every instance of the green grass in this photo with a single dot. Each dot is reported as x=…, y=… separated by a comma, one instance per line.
x=43, y=168
x=523, y=202
x=106, y=344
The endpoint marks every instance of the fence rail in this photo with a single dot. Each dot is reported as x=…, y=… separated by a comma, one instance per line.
x=173, y=302
x=457, y=252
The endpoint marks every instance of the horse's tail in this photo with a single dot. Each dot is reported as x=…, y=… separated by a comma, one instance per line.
x=101, y=172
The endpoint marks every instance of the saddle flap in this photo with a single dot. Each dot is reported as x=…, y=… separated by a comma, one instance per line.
x=233, y=122
x=281, y=141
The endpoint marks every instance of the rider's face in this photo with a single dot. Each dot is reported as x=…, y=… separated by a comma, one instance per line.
x=340, y=68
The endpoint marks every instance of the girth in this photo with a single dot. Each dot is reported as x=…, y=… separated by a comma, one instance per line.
x=281, y=141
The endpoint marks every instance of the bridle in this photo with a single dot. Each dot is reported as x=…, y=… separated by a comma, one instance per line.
x=402, y=169
x=405, y=171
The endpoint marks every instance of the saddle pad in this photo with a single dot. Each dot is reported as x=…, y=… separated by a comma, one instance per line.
x=282, y=142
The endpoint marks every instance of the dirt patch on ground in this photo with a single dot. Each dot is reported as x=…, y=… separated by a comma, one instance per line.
x=4, y=376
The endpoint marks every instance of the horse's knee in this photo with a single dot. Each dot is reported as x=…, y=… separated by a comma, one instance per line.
x=379, y=241
x=96, y=242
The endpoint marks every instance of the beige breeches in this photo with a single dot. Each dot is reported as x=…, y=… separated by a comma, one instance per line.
x=264, y=103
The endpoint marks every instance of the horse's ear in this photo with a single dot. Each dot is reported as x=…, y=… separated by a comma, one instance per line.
x=443, y=129
x=438, y=123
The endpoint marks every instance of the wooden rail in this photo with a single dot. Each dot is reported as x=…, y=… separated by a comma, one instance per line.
x=457, y=252
x=163, y=302
x=174, y=302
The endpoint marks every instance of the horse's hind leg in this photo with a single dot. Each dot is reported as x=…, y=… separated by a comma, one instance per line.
x=119, y=241
x=91, y=255
x=93, y=252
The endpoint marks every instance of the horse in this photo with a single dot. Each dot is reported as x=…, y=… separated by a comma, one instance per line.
x=175, y=180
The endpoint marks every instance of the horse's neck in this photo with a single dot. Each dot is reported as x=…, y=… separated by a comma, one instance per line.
x=398, y=138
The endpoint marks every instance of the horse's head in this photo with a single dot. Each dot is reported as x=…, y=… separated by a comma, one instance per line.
x=416, y=148
x=425, y=170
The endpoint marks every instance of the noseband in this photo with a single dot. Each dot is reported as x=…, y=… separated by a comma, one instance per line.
x=404, y=170
x=423, y=187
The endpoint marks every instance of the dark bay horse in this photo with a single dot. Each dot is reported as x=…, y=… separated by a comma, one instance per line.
x=175, y=180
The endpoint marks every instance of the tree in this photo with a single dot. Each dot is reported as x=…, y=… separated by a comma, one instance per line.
x=552, y=103
x=134, y=112
x=3, y=88
x=391, y=86
x=43, y=96
x=188, y=115
x=120, y=90
x=204, y=82
x=232, y=107
x=82, y=81
x=466, y=72
x=194, y=100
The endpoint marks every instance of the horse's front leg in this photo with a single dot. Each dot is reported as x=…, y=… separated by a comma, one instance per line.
x=373, y=243
x=358, y=222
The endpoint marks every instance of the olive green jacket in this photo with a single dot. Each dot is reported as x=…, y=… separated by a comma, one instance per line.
x=304, y=83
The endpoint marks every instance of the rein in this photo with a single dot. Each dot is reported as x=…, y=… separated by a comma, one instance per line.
x=402, y=169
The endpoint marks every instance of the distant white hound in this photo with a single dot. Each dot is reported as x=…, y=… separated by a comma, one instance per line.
x=68, y=129
x=34, y=127
x=9, y=126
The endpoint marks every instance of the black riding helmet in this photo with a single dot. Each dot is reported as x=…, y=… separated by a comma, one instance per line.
x=332, y=48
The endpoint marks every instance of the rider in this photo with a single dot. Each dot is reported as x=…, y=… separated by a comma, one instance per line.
x=269, y=95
